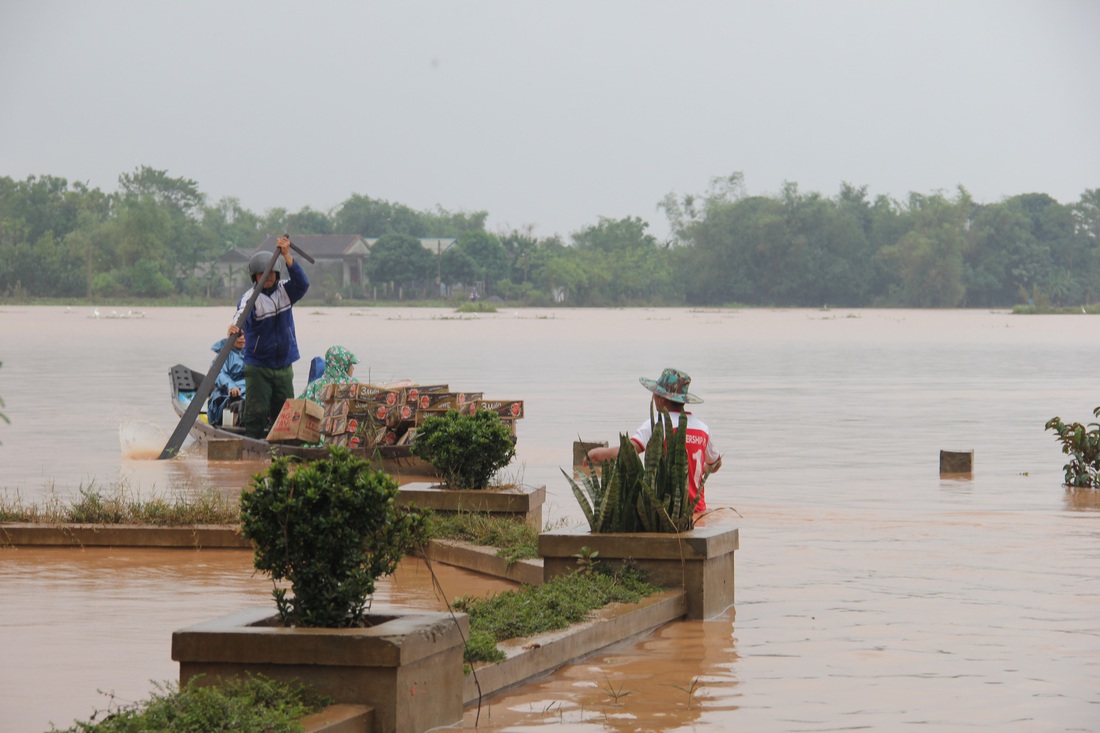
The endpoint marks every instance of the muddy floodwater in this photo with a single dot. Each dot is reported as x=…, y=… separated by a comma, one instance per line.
x=872, y=592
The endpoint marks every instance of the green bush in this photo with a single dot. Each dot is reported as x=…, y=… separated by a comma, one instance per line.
x=627, y=495
x=1083, y=443
x=330, y=528
x=466, y=449
x=253, y=704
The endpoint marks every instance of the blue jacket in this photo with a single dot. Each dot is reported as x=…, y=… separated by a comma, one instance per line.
x=269, y=337
x=231, y=375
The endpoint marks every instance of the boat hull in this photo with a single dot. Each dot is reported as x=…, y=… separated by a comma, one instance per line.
x=393, y=459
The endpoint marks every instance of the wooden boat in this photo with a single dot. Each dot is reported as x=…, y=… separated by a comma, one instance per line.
x=393, y=459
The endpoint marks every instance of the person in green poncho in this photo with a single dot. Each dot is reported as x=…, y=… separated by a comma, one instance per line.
x=339, y=367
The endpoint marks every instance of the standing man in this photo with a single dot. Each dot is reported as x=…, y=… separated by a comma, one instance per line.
x=670, y=393
x=271, y=345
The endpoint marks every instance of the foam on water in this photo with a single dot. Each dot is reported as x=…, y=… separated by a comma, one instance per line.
x=141, y=440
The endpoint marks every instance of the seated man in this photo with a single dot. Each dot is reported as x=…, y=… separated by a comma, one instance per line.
x=229, y=386
x=339, y=367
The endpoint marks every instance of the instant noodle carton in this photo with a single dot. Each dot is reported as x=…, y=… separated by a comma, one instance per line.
x=449, y=401
x=298, y=422
x=505, y=409
x=413, y=393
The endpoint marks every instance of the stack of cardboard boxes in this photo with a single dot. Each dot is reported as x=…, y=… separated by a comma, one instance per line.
x=364, y=415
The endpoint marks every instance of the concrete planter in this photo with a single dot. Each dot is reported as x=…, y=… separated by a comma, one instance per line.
x=535, y=656
x=522, y=503
x=700, y=561
x=407, y=667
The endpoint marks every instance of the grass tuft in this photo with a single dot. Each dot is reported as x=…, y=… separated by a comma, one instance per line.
x=512, y=539
x=119, y=506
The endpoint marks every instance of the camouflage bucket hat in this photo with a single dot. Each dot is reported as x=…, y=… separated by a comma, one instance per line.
x=672, y=384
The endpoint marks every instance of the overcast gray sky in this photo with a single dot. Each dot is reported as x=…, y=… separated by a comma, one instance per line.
x=552, y=114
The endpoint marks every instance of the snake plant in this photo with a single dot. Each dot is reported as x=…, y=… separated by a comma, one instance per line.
x=627, y=495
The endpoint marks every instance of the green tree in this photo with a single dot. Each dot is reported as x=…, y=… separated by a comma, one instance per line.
x=485, y=252
x=458, y=267
x=232, y=226
x=372, y=218
x=309, y=221
x=1086, y=215
x=845, y=266
x=722, y=268
x=159, y=236
x=557, y=268
x=38, y=218
x=929, y=258
x=400, y=258
x=519, y=248
x=623, y=263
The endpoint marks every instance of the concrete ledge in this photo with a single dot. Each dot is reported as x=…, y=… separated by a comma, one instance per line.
x=340, y=719
x=519, y=502
x=700, y=561
x=484, y=560
x=535, y=656
x=121, y=535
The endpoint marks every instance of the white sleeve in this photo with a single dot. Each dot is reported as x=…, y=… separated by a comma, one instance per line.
x=643, y=434
x=712, y=453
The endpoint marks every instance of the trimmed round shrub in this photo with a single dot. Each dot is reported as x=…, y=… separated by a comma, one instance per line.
x=467, y=450
x=330, y=528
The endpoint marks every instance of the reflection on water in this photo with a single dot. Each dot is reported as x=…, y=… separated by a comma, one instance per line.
x=872, y=593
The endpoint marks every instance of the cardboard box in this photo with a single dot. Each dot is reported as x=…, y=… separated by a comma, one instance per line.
x=393, y=415
x=334, y=425
x=298, y=422
x=448, y=400
x=337, y=408
x=506, y=409
x=412, y=394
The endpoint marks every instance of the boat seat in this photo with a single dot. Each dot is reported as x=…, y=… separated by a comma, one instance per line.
x=182, y=379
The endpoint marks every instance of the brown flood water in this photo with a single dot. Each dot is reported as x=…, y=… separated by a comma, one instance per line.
x=871, y=592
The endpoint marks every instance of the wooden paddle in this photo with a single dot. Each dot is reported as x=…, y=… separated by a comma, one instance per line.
x=175, y=442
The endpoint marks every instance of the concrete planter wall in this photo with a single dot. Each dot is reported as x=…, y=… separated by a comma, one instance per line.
x=522, y=503
x=408, y=667
x=700, y=561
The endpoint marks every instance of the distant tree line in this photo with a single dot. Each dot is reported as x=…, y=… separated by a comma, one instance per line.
x=157, y=237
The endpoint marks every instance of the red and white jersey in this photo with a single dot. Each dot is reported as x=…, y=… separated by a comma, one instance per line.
x=701, y=451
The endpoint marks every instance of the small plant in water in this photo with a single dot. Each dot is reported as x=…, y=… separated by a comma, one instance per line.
x=690, y=690
x=1082, y=442
x=616, y=693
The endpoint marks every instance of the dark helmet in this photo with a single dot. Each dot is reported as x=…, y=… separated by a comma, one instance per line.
x=258, y=264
